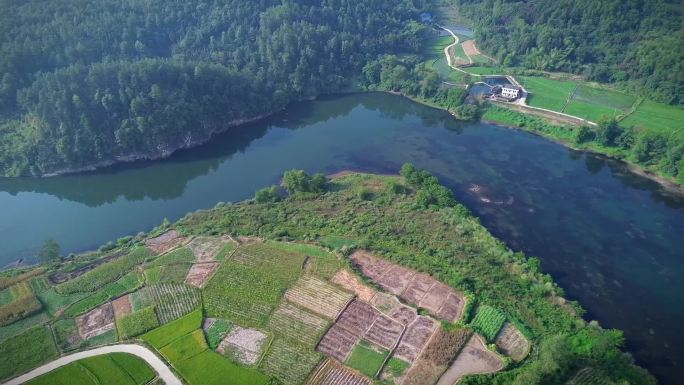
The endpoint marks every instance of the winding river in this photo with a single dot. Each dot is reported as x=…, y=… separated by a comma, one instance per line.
x=613, y=240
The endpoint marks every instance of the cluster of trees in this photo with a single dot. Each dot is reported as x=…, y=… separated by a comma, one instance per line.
x=411, y=77
x=429, y=193
x=88, y=82
x=635, y=43
x=659, y=150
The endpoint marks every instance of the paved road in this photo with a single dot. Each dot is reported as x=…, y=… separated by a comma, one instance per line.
x=142, y=352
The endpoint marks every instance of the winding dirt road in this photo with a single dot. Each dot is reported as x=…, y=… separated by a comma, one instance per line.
x=142, y=352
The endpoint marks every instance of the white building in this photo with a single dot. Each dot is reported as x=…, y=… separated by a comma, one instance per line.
x=509, y=91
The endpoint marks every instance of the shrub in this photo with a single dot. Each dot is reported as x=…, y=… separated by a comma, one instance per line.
x=298, y=181
x=364, y=193
x=267, y=195
x=137, y=322
x=584, y=134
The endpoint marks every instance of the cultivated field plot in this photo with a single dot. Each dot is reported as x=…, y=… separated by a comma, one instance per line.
x=385, y=332
x=589, y=376
x=597, y=103
x=215, y=330
x=66, y=334
x=243, y=345
x=350, y=327
x=367, y=358
x=206, y=249
x=96, y=321
x=390, y=305
x=200, y=273
x=289, y=362
x=165, y=242
x=248, y=286
x=171, y=273
x=416, y=288
x=435, y=359
x=297, y=324
x=318, y=296
x=122, y=306
x=330, y=372
x=488, y=321
x=415, y=337
x=547, y=93
x=352, y=283
x=26, y=351
x=475, y=358
x=512, y=342
x=170, y=300
x=656, y=116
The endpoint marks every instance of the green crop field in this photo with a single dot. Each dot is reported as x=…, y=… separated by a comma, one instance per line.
x=604, y=97
x=547, y=93
x=434, y=46
x=164, y=335
x=19, y=326
x=173, y=273
x=181, y=255
x=137, y=323
x=488, y=321
x=25, y=351
x=210, y=368
x=185, y=347
x=288, y=361
x=115, y=368
x=171, y=300
x=86, y=304
x=55, y=302
x=367, y=359
x=66, y=334
x=589, y=111
x=486, y=70
x=247, y=287
x=656, y=116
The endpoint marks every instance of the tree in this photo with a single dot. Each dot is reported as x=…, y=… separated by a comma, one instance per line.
x=267, y=195
x=49, y=251
x=298, y=181
x=584, y=134
x=607, y=132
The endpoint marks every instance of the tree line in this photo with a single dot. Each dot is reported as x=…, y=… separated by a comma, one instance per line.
x=89, y=82
x=635, y=44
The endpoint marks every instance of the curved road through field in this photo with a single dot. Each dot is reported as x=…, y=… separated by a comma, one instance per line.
x=142, y=352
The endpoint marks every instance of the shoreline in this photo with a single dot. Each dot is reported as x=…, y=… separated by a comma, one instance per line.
x=666, y=184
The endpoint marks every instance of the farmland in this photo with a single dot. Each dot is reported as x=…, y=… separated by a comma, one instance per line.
x=114, y=368
x=298, y=313
x=547, y=93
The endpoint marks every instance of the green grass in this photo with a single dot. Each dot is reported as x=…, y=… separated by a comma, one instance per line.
x=547, y=93
x=604, y=97
x=185, y=347
x=488, y=321
x=25, y=351
x=225, y=251
x=106, y=273
x=137, y=322
x=217, y=332
x=55, y=302
x=108, y=337
x=17, y=327
x=66, y=334
x=656, y=116
x=301, y=248
x=87, y=304
x=163, y=335
x=589, y=111
x=115, y=368
x=40, y=284
x=336, y=242
x=210, y=368
x=396, y=366
x=174, y=273
x=247, y=287
x=367, y=359
x=486, y=70
x=180, y=255
x=6, y=297
x=434, y=46
x=458, y=53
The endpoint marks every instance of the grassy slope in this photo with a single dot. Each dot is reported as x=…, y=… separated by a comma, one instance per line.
x=115, y=368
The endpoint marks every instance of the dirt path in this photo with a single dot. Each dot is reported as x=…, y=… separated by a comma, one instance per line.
x=142, y=352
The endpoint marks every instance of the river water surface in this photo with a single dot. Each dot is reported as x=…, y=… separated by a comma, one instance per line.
x=613, y=240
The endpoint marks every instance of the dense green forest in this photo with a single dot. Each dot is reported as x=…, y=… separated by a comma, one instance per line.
x=636, y=43
x=93, y=82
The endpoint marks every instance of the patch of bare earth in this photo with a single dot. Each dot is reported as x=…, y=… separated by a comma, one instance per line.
x=165, y=242
x=96, y=321
x=353, y=284
x=442, y=348
x=122, y=306
x=330, y=372
x=351, y=326
x=205, y=249
x=415, y=338
x=243, y=345
x=469, y=48
x=200, y=273
x=512, y=342
x=418, y=289
x=475, y=358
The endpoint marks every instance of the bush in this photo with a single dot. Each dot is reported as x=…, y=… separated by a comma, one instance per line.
x=364, y=193
x=267, y=195
x=137, y=322
x=298, y=181
x=584, y=134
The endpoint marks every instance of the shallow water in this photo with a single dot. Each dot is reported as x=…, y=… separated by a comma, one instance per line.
x=611, y=239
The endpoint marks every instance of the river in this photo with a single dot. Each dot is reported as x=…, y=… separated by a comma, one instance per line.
x=612, y=239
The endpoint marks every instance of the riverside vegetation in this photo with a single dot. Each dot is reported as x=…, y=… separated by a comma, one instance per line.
x=299, y=238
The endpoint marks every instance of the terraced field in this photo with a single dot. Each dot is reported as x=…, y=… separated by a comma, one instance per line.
x=318, y=296
x=171, y=301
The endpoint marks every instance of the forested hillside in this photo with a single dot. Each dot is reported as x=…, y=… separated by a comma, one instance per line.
x=91, y=82
x=638, y=43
